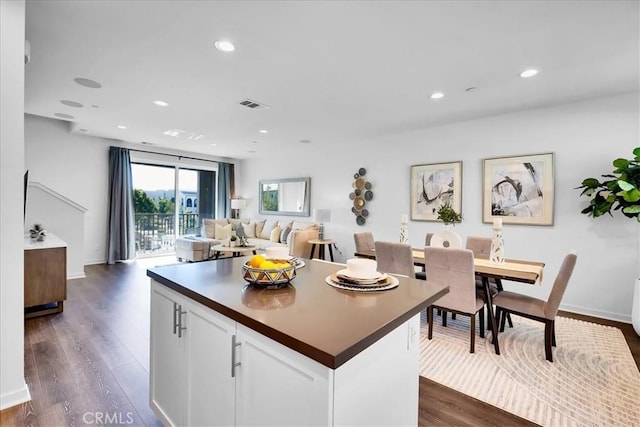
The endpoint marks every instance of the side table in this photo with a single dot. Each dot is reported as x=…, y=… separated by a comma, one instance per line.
x=322, y=244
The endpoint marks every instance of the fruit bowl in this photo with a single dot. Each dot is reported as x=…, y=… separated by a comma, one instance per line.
x=269, y=277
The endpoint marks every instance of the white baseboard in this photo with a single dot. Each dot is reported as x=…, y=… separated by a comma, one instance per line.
x=618, y=317
x=76, y=276
x=95, y=261
x=16, y=397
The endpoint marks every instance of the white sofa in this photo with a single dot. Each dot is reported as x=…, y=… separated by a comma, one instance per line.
x=260, y=233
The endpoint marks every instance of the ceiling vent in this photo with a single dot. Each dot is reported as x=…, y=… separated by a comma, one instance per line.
x=250, y=103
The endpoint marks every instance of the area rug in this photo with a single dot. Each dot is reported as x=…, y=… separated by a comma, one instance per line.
x=593, y=380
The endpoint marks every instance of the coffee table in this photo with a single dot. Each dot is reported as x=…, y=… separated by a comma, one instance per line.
x=234, y=250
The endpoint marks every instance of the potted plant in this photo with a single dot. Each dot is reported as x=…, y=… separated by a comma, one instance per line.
x=233, y=240
x=448, y=215
x=447, y=238
x=619, y=191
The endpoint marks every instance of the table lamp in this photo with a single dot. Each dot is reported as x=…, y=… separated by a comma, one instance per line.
x=236, y=205
x=321, y=216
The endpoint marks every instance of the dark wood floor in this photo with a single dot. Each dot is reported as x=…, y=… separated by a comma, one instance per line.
x=89, y=365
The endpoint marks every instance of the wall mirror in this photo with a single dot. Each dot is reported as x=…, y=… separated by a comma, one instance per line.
x=288, y=196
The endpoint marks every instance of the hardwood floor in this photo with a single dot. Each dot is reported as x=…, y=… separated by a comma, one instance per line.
x=89, y=365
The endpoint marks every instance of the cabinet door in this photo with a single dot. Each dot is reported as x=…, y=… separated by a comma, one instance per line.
x=277, y=386
x=210, y=388
x=167, y=382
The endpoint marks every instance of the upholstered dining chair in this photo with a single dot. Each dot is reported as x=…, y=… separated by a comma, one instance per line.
x=427, y=242
x=455, y=268
x=395, y=258
x=364, y=241
x=481, y=248
x=537, y=309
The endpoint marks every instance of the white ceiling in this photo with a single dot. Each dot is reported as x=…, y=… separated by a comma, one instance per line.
x=332, y=72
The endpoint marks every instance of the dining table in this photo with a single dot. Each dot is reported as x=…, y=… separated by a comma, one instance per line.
x=515, y=270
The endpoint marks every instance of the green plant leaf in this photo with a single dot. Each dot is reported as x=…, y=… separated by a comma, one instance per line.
x=591, y=183
x=625, y=186
x=632, y=209
x=621, y=163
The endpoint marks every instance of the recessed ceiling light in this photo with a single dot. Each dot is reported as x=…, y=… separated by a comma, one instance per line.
x=87, y=83
x=161, y=103
x=305, y=141
x=73, y=104
x=64, y=116
x=213, y=144
x=263, y=131
x=437, y=95
x=121, y=127
x=529, y=73
x=84, y=130
x=225, y=46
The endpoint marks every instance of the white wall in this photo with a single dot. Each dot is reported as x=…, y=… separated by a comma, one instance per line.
x=585, y=138
x=13, y=389
x=59, y=216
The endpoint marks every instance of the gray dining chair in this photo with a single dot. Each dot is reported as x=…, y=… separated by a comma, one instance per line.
x=537, y=309
x=422, y=275
x=364, y=241
x=455, y=268
x=395, y=258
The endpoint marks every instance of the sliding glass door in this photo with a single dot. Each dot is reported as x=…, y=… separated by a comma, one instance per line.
x=161, y=212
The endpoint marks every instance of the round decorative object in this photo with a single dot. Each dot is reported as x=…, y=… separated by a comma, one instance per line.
x=360, y=195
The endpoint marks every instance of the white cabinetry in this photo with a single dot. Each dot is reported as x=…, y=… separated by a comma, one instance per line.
x=208, y=370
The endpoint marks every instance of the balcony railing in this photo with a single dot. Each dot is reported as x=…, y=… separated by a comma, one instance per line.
x=155, y=232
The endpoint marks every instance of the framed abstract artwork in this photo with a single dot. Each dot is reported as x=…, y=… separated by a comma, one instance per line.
x=434, y=185
x=519, y=189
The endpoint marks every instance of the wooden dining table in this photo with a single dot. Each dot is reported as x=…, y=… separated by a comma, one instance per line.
x=522, y=271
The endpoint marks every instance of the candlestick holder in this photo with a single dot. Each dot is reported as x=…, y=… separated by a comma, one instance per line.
x=497, y=244
x=404, y=229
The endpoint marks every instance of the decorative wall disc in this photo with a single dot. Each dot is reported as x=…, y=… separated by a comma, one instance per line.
x=360, y=195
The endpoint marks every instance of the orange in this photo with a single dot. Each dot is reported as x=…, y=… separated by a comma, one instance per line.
x=256, y=260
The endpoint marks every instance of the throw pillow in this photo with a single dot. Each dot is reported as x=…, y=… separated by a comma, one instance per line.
x=284, y=234
x=223, y=233
x=259, y=227
x=275, y=235
x=269, y=225
x=208, y=228
x=249, y=230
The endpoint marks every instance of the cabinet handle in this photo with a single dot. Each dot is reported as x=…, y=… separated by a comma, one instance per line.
x=234, y=364
x=175, y=317
x=180, y=327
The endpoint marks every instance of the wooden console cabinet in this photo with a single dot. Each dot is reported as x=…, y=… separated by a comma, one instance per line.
x=45, y=276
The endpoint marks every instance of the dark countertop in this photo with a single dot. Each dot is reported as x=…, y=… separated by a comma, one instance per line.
x=326, y=324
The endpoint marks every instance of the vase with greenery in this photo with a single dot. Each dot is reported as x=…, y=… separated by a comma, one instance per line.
x=618, y=191
x=448, y=215
x=447, y=238
x=37, y=232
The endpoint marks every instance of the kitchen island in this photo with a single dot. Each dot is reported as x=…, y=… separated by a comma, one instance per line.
x=226, y=353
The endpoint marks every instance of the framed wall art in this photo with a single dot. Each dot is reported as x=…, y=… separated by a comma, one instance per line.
x=434, y=185
x=519, y=189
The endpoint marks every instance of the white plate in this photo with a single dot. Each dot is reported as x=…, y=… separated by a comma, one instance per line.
x=393, y=282
x=371, y=276
x=285, y=258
